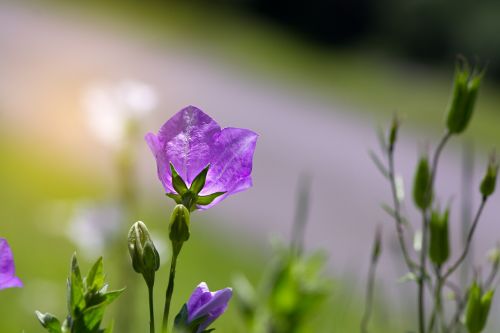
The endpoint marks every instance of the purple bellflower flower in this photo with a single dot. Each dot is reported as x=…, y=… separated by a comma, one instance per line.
x=200, y=163
x=202, y=308
x=8, y=278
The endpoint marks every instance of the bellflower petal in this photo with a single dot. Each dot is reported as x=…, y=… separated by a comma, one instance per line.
x=191, y=140
x=8, y=279
x=204, y=303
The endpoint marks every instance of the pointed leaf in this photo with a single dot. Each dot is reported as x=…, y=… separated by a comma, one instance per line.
x=207, y=199
x=95, y=278
x=92, y=316
x=48, y=321
x=199, y=181
x=378, y=163
x=177, y=182
x=75, y=285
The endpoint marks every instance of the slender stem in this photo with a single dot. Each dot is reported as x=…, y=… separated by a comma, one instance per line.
x=170, y=290
x=422, y=275
x=423, y=250
x=369, y=297
x=151, y=310
x=468, y=242
x=412, y=265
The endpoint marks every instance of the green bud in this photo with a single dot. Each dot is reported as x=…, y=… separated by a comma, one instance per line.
x=490, y=178
x=422, y=192
x=145, y=258
x=393, y=133
x=439, y=246
x=179, y=225
x=377, y=244
x=478, y=308
x=461, y=106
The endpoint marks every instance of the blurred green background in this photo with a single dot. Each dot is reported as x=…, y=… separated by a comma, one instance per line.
x=374, y=58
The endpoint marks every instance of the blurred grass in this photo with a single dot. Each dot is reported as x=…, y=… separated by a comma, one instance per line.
x=358, y=78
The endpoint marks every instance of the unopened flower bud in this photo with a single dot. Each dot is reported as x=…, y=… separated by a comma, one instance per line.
x=478, y=308
x=422, y=192
x=490, y=178
x=179, y=225
x=145, y=258
x=393, y=133
x=461, y=106
x=494, y=256
x=439, y=247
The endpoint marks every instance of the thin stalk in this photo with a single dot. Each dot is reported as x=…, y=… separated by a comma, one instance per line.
x=369, y=297
x=151, y=310
x=170, y=290
x=425, y=231
x=412, y=265
x=422, y=275
x=468, y=242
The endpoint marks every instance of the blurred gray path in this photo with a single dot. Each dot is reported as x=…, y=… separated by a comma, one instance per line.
x=46, y=60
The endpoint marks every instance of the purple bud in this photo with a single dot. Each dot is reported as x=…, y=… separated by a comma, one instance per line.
x=204, y=303
x=191, y=141
x=8, y=278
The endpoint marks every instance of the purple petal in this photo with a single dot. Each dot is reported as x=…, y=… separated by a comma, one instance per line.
x=185, y=140
x=162, y=162
x=231, y=164
x=7, y=268
x=196, y=297
x=214, y=308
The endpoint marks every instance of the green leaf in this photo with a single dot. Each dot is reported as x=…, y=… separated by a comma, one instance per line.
x=48, y=321
x=207, y=199
x=75, y=286
x=177, y=182
x=95, y=277
x=92, y=316
x=199, y=181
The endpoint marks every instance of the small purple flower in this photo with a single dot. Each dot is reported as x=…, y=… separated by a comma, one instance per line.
x=8, y=279
x=204, y=303
x=191, y=141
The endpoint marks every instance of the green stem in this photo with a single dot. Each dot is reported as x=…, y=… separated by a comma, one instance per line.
x=170, y=288
x=151, y=310
x=423, y=273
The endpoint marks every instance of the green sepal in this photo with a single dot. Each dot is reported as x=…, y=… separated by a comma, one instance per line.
x=207, y=199
x=177, y=181
x=177, y=198
x=48, y=321
x=422, y=192
x=181, y=324
x=199, y=181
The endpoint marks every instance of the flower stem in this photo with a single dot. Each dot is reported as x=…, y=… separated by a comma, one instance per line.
x=151, y=310
x=170, y=288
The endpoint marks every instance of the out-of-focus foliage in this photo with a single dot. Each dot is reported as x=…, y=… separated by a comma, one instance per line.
x=288, y=295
